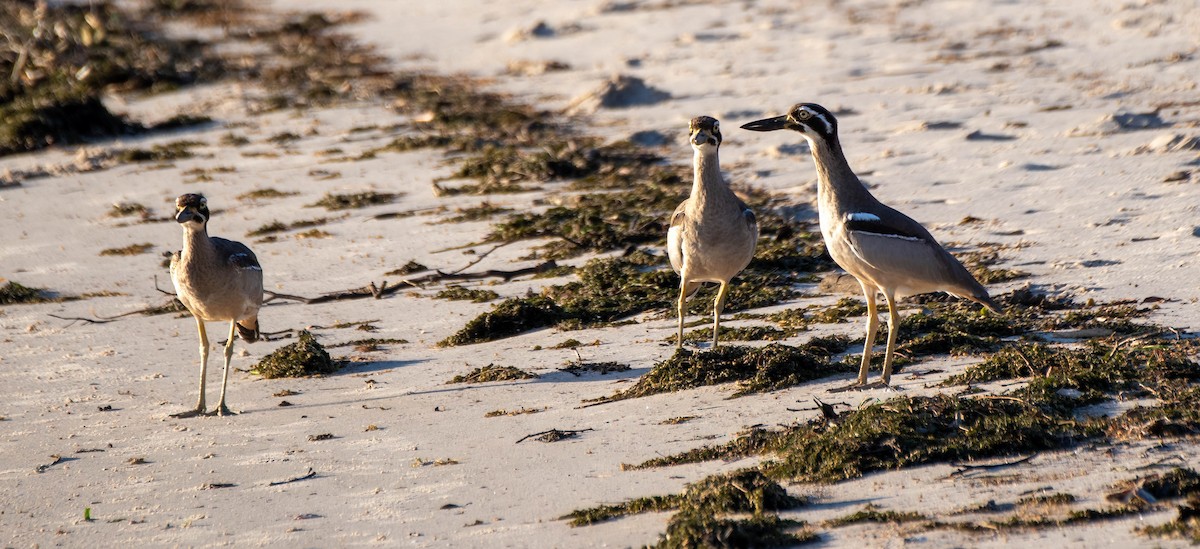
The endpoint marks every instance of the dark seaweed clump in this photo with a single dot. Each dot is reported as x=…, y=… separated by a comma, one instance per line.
x=700, y=520
x=59, y=58
x=304, y=357
x=609, y=290
x=13, y=293
x=758, y=369
x=455, y=292
x=491, y=372
x=350, y=201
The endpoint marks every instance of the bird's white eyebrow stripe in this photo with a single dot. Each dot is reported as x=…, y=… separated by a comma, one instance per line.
x=861, y=216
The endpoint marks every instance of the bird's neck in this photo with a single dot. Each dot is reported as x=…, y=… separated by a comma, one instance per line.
x=836, y=182
x=707, y=184
x=196, y=243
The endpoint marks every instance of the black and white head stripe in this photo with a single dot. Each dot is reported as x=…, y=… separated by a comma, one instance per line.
x=864, y=222
x=708, y=125
x=195, y=203
x=814, y=117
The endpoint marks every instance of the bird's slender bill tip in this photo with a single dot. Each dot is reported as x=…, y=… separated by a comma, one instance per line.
x=767, y=124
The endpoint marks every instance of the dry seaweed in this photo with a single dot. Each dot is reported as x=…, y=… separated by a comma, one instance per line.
x=872, y=513
x=265, y=194
x=608, y=290
x=132, y=249
x=166, y=152
x=1185, y=525
x=737, y=333
x=455, y=292
x=128, y=209
x=687, y=530
x=59, y=58
x=491, y=372
x=304, y=357
x=742, y=491
x=758, y=369
x=13, y=293
x=334, y=202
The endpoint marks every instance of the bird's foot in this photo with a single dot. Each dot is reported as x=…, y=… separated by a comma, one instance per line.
x=221, y=410
x=199, y=411
x=859, y=386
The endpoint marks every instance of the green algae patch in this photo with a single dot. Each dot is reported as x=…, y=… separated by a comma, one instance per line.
x=757, y=369
x=490, y=373
x=304, y=357
x=455, y=292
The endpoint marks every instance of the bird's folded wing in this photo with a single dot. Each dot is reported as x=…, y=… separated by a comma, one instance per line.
x=917, y=264
x=245, y=262
x=675, y=239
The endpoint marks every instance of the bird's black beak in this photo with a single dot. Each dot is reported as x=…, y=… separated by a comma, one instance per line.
x=185, y=215
x=767, y=124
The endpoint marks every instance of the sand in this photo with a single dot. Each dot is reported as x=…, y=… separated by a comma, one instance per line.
x=1010, y=112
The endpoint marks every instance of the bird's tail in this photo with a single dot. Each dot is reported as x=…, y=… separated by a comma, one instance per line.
x=249, y=335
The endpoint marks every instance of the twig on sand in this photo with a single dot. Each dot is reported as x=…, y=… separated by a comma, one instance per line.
x=965, y=467
x=57, y=459
x=384, y=289
x=305, y=476
x=554, y=435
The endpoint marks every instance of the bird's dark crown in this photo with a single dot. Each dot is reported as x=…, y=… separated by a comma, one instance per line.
x=707, y=124
x=194, y=202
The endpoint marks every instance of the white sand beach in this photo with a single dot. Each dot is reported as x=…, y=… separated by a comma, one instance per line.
x=1023, y=115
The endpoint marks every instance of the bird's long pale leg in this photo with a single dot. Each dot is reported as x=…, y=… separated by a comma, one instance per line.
x=199, y=410
x=719, y=306
x=893, y=329
x=872, y=327
x=683, y=287
x=221, y=410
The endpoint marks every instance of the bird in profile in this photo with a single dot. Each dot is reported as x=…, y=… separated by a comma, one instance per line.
x=217, y=280
x=885, y=250
x=712, y=233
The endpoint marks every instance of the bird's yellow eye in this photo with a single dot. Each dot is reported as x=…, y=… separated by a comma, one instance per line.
x=802, y=114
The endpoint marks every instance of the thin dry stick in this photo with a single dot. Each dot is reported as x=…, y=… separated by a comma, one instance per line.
x=306, y=476
x=563, y=433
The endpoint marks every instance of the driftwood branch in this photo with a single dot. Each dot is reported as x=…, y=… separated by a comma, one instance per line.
x=554, y=435
x=965, y=467
x=305, y=476
x=384, y=289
